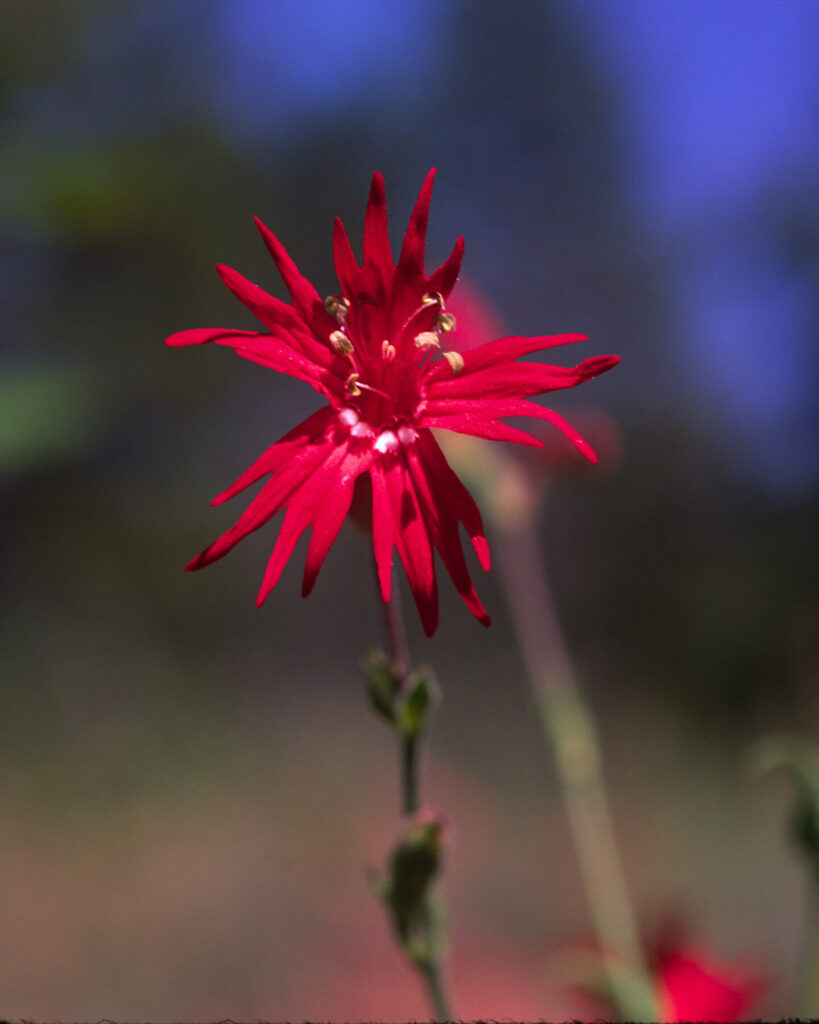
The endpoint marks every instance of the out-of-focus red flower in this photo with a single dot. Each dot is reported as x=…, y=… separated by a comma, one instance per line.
x=371, y=352
x=691, y=986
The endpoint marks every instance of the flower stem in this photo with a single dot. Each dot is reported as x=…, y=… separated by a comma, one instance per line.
x=569, y=728
x=425, y=958
x=409, y=774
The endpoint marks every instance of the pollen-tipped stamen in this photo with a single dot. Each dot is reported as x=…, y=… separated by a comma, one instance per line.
x=455, y=360
x=426, y=339
x=341, y=343
x=337, y=306
x=445, y=322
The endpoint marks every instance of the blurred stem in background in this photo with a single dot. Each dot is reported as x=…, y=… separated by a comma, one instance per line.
x=404, y=698
x=800, y=758
x=569, y=729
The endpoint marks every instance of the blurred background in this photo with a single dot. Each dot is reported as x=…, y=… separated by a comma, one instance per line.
x=191, y=789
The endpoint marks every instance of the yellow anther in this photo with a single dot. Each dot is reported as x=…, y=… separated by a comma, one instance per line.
x=432, y=298
x=426, y=339
x=455, y=360
x=387, y=351
x=445, y=322
x=341, y=343
x=337, y=306
x=352, y=385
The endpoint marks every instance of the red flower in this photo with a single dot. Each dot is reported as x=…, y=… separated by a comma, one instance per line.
x=371, y=352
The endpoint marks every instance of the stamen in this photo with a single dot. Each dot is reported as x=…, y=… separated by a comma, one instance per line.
x=341, y=343
x=387, y=351
x=337, y=306
x=352, y=385
x=455, y=360
x=349, y=417
x=445, y=322
x=426, y=339
x=433, y=297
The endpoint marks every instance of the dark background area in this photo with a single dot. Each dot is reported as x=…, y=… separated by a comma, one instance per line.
x=191, y=789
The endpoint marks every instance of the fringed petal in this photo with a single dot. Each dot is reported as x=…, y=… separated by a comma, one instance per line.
x=442, y=521
x=277, y=455
x=410, y=536
x=281, y=319
x=376, y=237
x=272, y=497
x=383, y=529
x=518, y=380
x=326, y=492
x=329, y=513
x=347, y=269
x=481, y=426
x=504, y=350
x=446, y=480
x=410, y=268
x=443, y=279
x=305, y=298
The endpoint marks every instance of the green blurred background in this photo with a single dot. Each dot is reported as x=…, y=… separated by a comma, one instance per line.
x=191, y=789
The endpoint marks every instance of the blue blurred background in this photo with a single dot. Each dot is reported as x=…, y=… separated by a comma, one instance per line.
x=192, y=789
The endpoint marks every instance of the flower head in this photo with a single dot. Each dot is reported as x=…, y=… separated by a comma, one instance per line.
x=377, y=351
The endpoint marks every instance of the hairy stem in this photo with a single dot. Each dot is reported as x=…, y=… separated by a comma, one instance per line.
x=429, y=964
x=569, y=729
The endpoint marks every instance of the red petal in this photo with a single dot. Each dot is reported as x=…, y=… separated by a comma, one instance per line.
x=461, y=414
x=283, y=320
x=305, y=298
x=410, y=268
x=518, y=380
x=376, y=238
x=492, y=430
x=276, y=353
x=503, y=350
x=330, y=512
x=321, y=500
x=443, y=526
x=383, y=529
x=271, y=311
x=272, y=497
x=347, y=269
x=279, y=453
x=443, y=279
x=447, y=481
x=409, y=533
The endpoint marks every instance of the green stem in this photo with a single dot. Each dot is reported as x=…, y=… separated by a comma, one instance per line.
x=569, y=728
x=409, y=774
x=429, y=966
x=435, y=987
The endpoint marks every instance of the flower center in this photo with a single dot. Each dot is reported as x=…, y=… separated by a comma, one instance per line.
x=385, y=391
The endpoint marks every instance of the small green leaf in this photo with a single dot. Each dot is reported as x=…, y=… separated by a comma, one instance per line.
x=421, y=695
x=383, y=683
x=800, y=757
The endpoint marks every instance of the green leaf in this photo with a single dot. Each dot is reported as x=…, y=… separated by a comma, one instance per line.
x=800, y=757
x=383, y=683
x=421, y=695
